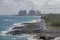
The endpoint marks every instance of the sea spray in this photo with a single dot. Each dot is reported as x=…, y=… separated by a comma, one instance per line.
x=8, y=20
x=20, y=37
x=57, y=38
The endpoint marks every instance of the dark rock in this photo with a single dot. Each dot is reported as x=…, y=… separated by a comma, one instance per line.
x=18, y=27
x=38, y=13
x=32, y=13
x=28, y=28
x=22, y=13
x=46, y=37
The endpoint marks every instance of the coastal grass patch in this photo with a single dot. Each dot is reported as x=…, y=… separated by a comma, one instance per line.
x=52, y=20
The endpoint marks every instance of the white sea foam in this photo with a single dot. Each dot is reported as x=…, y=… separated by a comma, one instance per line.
x=32, y=21
x=4, y=32
x=18, y=24
x=28, y=36
x=57, y=38
x=7, y=20
x=14, y=38
x=10, y=28
x=15, y=25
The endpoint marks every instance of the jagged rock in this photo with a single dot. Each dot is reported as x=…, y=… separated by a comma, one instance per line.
x=32, y=13
x=28, y=28
x=22, y=13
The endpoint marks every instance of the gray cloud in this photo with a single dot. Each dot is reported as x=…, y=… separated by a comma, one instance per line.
x=13, y=6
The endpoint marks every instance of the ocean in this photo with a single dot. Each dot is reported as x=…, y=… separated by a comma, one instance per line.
x=7, y=21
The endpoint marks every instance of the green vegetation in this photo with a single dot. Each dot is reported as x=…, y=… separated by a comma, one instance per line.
x=52, y=19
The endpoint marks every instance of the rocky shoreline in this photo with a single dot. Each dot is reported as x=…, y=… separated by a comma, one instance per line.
x=31, y=28
x=27, y=28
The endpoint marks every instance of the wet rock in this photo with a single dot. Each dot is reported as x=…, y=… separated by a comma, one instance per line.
x=46, y=37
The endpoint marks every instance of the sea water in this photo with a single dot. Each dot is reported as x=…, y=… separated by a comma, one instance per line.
x=6, y=22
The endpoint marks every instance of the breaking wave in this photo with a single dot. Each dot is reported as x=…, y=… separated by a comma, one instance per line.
x=25, y=36
x=20, y=37
x=7, y=20
x=19, y=25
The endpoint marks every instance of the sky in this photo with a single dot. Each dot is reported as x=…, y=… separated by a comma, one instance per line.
x=12, y=7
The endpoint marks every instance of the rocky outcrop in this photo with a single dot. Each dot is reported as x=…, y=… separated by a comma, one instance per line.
x=28, y=28
x=22, y=13
x=30, y=13
x=38, y=13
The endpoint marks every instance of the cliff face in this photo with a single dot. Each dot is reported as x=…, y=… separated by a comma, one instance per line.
x=38, y=13
x=22, y=12
x=32, y=13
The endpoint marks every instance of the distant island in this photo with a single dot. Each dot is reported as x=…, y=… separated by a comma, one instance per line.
x=30, y=13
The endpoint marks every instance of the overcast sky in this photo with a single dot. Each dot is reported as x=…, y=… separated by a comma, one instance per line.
x=11, y=7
